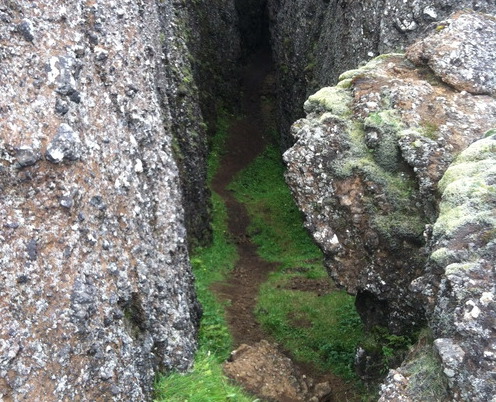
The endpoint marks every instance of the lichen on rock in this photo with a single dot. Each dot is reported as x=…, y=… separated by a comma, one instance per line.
x=461, y=52
x=459, y=283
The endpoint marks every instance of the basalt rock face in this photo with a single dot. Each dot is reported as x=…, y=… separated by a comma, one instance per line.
x=180, y=96
x=316, y=41
x=214, y=41
x=96, y=292
x=400, y=201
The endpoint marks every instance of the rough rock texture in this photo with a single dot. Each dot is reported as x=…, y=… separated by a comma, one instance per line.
x=445, y=51
x=181, y=97
x=314, y=41
x=267, y=373
x=420, y=378
x=364, y=171
x=460, y=280
x=96, y=292
x=368, y=167
x=214, y=40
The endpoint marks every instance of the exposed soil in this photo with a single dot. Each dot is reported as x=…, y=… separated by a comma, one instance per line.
x=246, y=141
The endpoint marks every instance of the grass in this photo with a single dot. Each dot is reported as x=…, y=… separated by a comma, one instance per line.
x=324, y=330
x=276, y=223
x=206, y=383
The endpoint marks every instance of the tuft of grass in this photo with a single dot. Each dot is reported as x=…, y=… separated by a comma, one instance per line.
x=211, y=264
x=320, y=329
x=331, y=331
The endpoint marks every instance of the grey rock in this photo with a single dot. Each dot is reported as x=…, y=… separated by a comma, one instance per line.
x=315, y=41
x=459, y=280
x=367, y=201
x=462, y=52
x=25, y=28
x=83, y=320
x=65, y=146
x=61, y=107
x=32, y=249
x=380, y=147
x=27, y=156
x=66, y=202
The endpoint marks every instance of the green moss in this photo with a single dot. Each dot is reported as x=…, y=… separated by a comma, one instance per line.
x=371, y=65
x=350, y=74
x=384, y=121
x=443, y=256
x=345, y=83
x=331, y=99
x=457, y=267
x=490, y=132
x=430, y=130
x=484, y=149
x=398, y=225
x=468, y=195
x=427, y=381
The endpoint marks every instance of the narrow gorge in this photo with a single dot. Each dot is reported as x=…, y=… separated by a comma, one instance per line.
x=385, y=117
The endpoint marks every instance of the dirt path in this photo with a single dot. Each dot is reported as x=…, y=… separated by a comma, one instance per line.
x=246, y=141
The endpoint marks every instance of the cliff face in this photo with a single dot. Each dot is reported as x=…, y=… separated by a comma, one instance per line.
x=400, y=201
x=96, y=291
x=214, y=42
x=315, y=41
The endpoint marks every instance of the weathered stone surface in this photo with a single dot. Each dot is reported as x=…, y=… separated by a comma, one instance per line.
x=369, y=165
x=315, y=41
x=461, y=52
x=215, y=43
x=180, y=96
x=460, y=280
x=420, y=378
x=96, y=292
x=364, y=171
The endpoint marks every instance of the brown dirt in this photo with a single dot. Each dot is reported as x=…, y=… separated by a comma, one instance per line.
x=240, y=290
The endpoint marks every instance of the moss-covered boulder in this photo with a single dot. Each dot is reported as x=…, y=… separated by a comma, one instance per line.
x=368, y=169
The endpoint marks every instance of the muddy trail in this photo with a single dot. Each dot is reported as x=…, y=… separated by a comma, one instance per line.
x=247, y=139
x=245, y=142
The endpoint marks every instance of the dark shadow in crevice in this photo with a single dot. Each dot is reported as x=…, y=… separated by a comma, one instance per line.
x=254, y=29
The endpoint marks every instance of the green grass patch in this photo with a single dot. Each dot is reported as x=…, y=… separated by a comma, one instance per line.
x=276, y=223
x=324, y=330
x=206, y=383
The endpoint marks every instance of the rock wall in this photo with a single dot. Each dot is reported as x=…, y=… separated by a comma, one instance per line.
x=314, y=41
x=96, y=291
x=214, y=41
x=179, y=95
x=370, y=164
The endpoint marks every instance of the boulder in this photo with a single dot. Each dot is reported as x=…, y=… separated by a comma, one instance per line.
x=393, y=170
